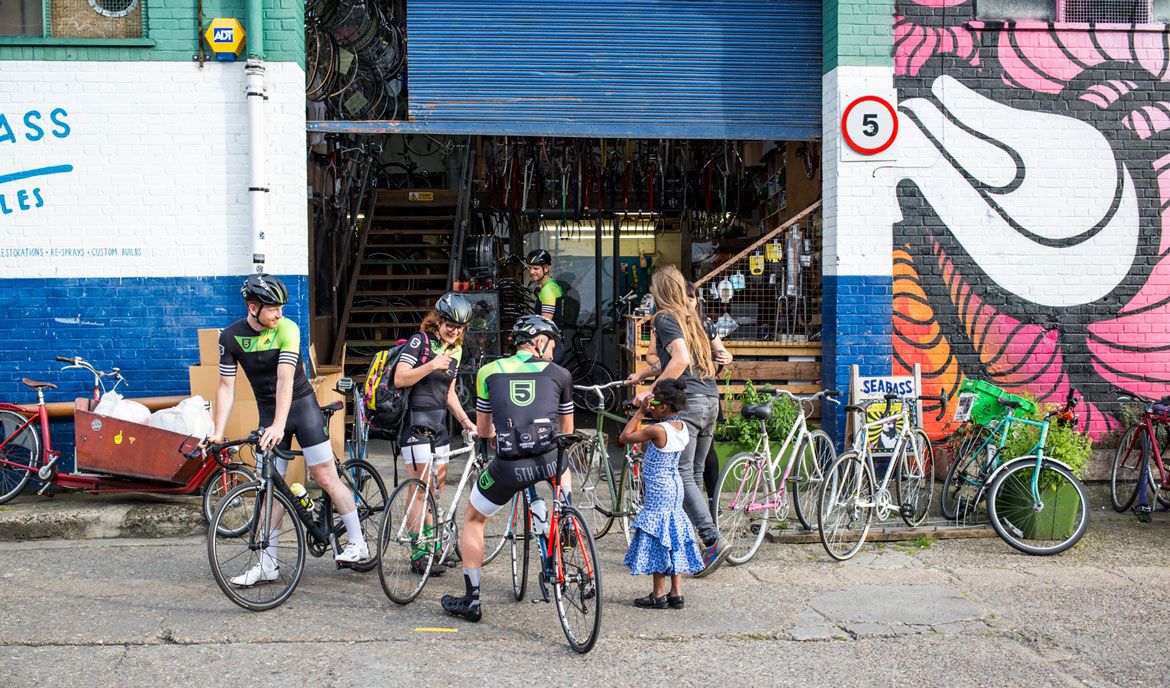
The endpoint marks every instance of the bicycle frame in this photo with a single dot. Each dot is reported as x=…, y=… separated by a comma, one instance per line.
x=270, y=478
x=429, y=477
x=551, y=564
x=1036, y=451
x=861, y=444
x=772, y=461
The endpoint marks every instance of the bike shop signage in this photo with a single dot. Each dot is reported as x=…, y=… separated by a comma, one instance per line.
x=27, y=186
x=862, y=390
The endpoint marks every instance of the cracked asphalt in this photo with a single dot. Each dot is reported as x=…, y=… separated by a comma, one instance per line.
x=955, y=612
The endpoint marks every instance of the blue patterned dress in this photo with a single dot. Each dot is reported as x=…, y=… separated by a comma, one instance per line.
x=664, y=539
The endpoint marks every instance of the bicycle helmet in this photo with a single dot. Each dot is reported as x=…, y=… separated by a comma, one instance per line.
x=454, y=307
x=538, y=257
x=529, y=327
x=266, y=289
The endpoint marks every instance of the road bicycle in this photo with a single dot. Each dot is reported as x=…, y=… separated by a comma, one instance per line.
x=412, y=536
x=1139, y=443
x=239, y=536
x=602, y=496
x=754, y=485
x=851, y=495
x=569, y=574
x=978, y=457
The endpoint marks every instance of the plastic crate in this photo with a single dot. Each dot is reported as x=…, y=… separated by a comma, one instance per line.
x=986, y=407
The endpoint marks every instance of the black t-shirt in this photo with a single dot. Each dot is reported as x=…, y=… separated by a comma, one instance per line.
x=259, y=353
x=667, y=330
x=430, y=393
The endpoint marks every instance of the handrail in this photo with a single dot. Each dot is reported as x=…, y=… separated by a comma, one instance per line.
x=755, y=246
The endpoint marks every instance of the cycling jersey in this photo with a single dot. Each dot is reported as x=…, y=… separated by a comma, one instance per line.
x=259, y=354
x=430, y=392
x=550, y=300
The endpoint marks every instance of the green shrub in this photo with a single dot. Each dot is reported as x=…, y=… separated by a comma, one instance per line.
x=1065, y=444
x=736, y=428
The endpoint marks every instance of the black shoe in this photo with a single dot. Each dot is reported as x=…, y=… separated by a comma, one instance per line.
x=438, y=568
x=459, y=606
x=419, y=566
x=1143, y=512
x=651, y=602
x=675, y=601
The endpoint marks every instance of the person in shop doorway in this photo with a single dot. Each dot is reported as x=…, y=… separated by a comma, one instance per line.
x=549, y=295
x=683, y=349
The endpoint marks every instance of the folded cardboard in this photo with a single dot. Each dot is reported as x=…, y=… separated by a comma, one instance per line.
x=209, y=347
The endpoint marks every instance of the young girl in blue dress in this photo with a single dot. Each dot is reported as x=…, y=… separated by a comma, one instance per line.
x=664, y=542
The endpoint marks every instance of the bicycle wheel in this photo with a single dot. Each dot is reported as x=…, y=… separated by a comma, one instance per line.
x=741, y=486
x=588, y=373
x=401, y=543
x=632, y=493
x=237, y=560
x=519, y=537
x=495, y=531
x=22, y=448
x=964, y=480
x=577, y=589
x=1049, y=526
x=915, y=479
x=369, y=496
x=1127, y=467
x=598, y=496
x=581, y=461
x=845, y=507
x=814, y=456
x=218, y=484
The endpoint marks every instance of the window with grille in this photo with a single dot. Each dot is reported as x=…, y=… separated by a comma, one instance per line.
x=73, y=18
x=1078, y=11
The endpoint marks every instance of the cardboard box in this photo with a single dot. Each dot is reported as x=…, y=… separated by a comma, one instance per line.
x=209, y=347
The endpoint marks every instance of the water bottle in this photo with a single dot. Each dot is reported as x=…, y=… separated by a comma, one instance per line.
x=302, y=496
x=539, y=516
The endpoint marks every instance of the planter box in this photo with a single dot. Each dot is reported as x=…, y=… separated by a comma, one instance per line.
x=726, y=450
x=1058, y=519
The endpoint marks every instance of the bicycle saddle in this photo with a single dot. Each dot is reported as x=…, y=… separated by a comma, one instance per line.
x=38, y=385
x=330, y=409
x=568, y=439
x=758, y=411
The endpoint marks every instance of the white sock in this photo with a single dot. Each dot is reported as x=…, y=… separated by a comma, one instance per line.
x=269, y=558
x=353, y=527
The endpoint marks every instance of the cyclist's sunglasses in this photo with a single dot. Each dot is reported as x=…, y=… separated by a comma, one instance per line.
x=655, y=402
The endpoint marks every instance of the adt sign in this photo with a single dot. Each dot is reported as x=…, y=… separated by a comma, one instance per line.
x=226, y=38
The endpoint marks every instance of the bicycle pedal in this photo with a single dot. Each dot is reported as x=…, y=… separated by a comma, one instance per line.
x=906, y=511
x=537, y=600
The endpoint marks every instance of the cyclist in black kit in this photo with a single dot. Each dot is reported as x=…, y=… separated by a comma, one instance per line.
x=267, y=346
x=427, y=366
x=522, y=403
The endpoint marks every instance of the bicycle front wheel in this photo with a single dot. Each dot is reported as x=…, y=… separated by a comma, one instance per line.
x=577, y=588
x=495, y=531
x=1127, y=467
x=21, y=448
x=218, y=484
x=600, y=495
x=964, y=479
x=519, y=537
x=252, y=570
x=405, y=552
x=813, y=457
x=915, y=480
x=632, y=494
x=1049, y=525
x=845, y=507
x=365, y=484
x=738, y=517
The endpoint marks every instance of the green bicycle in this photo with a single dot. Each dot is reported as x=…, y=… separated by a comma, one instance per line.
x=602, y=496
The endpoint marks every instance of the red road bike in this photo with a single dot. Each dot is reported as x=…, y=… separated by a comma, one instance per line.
x=1139, y=444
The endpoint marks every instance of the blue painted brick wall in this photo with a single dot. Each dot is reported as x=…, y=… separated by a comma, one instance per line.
x=858, y=322
x=145, y=326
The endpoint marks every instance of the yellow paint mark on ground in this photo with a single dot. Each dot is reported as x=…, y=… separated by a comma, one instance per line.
x=433, y=629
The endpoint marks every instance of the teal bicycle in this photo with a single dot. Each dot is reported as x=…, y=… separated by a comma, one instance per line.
x=1035, y=503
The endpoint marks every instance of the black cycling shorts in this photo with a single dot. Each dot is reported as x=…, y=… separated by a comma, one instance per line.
x=433, y=419
x=504, y=479
x=307, y=423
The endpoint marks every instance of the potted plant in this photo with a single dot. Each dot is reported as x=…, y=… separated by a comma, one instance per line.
x=735, y=434
x=1064, y=444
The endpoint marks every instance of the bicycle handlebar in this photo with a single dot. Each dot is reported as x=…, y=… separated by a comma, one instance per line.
x=79, y=362
x=252, y=439
x=829, y=395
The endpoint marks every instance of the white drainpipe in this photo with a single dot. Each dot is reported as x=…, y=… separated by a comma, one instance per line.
x=257, y=168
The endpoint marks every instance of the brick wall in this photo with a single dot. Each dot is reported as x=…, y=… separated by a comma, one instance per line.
x=1032, y=246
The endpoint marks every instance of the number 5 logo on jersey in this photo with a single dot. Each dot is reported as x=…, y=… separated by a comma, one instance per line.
x=522, y=392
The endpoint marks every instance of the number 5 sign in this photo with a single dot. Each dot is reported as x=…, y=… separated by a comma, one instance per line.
x=869, y=125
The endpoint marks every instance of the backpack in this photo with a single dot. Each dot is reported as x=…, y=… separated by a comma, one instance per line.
x=387, y=404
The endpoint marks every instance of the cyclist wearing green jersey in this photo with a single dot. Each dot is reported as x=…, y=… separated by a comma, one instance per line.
x=522, y=403
x=549, y=295
x=267, y=346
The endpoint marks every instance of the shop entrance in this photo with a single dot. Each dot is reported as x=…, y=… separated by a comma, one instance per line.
x=397, y=219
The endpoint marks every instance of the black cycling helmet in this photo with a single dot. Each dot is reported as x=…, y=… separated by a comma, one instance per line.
x=454, y=307
x=529, y=327
x=538, y=257
x=266, y=289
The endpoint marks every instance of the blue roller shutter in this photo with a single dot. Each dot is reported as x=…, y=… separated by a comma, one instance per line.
x=640, y=68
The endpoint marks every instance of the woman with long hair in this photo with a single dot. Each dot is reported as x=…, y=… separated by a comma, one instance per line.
x=683, y=350
x=427, y=366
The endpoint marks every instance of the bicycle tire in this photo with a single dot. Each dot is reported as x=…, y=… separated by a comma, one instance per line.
x=580, y=464
x=631, y=495
x=577, y=588
x=816, y=454
x=520, y=539
x=238, y=506
x=369, y=496
x=1129, y=458
x=1012, y=510
x=589, y=373
x=496, y=529
x=601, y=493
x=914, y=486
x=842, y=520
x=217, y=486
x=398, y=547
x=742, y=480
x=964, y=479
x=22, y=448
